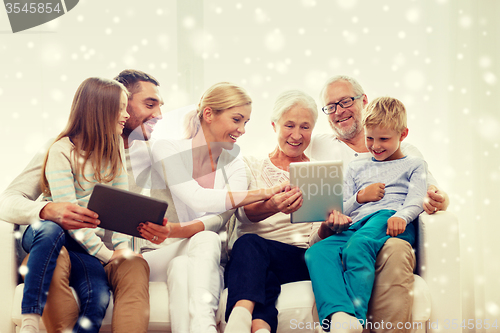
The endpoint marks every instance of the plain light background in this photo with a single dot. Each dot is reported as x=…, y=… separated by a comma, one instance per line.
x=440, y=57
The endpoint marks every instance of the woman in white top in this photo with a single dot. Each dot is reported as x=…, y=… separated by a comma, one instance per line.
x=271, y=252
x=205, y=177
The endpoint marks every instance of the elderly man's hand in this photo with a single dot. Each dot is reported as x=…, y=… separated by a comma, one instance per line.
x=286, y=202
x=435, y=200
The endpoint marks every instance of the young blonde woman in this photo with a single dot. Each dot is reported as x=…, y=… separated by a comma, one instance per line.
x=88, y=151
x=206, y=177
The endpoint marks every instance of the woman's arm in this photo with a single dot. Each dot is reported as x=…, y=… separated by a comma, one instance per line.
x=172, y=164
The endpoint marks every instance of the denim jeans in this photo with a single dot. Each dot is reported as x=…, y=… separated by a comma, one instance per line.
x=43, y=240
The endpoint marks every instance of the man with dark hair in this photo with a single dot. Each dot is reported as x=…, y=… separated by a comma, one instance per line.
x=128, y=278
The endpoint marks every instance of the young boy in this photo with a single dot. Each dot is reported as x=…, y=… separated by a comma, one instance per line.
x=382, y=195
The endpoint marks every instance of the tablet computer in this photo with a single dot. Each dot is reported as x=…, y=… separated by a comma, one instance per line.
x=321, y=183
x=123, y=211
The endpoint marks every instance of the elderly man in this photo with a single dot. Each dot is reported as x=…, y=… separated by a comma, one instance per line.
x=128, y=278
x=343, y=100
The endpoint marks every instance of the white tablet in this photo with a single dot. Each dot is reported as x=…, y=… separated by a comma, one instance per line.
x=321, y=183
x=123, y=211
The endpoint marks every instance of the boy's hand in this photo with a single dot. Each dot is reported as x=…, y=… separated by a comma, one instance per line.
x=395, y=226
x=373, y=192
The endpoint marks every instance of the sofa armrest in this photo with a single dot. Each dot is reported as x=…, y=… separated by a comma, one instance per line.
x=438, y=258
x=8, y=275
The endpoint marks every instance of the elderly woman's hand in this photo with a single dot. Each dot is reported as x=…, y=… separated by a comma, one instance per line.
x=338, y=222
x=286, y=202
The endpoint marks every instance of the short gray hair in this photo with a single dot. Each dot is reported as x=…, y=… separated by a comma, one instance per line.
x=290, y=98
x=358, y=90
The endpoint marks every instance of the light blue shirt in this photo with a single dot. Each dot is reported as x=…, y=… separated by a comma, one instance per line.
x=405, y=182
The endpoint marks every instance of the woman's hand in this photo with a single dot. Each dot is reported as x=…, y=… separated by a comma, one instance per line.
x=286, y=202
x=282, y=187
x=337, y=222
x=154, y=232
x=373, y=192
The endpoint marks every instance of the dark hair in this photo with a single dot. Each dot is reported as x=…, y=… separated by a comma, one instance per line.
x=130, y=78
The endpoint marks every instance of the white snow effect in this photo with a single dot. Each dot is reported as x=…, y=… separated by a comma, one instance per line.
x=346, y=4
x=261, y=16
x=23, y=270
x=485, y=61
x=489, y=128
x=129, y=60
x=402, y=34
x=163, y=40
x=493, y=309
x=189, y=22
x=57, y=95
x=465, y=21
x=159, y=12
x=80, y=18
x=281, y=67
x=85, y=323
x=334, y=63
x=275, y=41
x=350, y=37
x=490, y=78
x=308, y=3
x=413, y=15
x=116, y=19
x=315, y=79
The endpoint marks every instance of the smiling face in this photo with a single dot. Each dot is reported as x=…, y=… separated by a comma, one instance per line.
x=383, y=143
x=294, y=130
x=144, y=110
x=227, y=126
x=123, y=115
x=345, y=122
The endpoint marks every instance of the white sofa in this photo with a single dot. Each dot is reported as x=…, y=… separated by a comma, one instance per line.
x=437, y=285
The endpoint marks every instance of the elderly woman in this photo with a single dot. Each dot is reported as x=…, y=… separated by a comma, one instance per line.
x=270, y=250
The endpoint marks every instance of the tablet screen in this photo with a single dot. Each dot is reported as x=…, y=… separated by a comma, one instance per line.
x=321, y=183
x=123, y=211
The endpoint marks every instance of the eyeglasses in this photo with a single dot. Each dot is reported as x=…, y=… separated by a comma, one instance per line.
x=345, y=103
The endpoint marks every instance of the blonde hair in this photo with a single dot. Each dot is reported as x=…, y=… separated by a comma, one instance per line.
x=93, y=120
x=290, y=98
x=385, y=112
x=219, y=97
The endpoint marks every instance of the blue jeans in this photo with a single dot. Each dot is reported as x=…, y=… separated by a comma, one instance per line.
x=348, y=260
x=44, y=241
